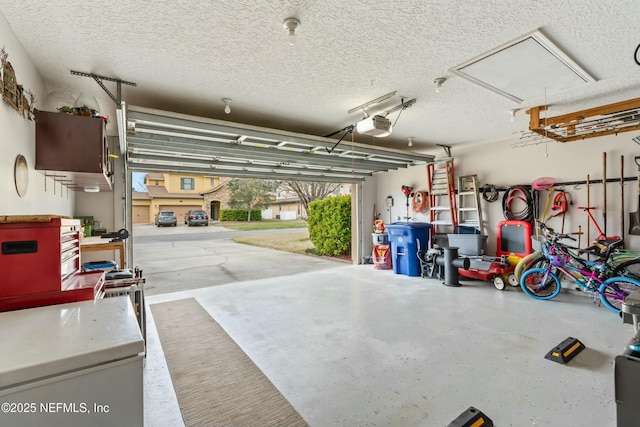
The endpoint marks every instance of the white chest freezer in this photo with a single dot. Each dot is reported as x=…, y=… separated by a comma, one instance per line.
x=75, y=364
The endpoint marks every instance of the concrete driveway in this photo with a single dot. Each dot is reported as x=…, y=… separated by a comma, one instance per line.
x=182, y=258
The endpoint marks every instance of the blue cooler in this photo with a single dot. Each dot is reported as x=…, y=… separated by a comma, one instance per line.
x=404, y=237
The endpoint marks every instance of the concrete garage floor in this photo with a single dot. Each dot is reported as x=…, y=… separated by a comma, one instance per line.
x=182, y=257
x=353, y=346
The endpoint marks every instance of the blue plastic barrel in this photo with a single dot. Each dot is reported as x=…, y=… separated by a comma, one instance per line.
x=404, y=238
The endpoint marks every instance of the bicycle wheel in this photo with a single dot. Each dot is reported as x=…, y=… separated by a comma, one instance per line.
x=540, y=283
x=614, y=290
x=530, y=261
x=629, y=269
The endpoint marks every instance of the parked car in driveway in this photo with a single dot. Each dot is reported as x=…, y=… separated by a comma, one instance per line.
x=196, y=217
x=166, y=218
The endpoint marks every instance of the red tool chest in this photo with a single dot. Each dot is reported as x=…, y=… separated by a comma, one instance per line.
x=40, y=262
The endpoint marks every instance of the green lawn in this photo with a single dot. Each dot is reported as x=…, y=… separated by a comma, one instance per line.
x=298, y=243
x=265, y=224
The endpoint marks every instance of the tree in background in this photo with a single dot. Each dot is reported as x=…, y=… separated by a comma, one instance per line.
x=308, y=191
x=251, y=194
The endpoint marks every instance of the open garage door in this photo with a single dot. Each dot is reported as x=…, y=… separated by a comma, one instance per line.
x=161, y=141
x=164, y=141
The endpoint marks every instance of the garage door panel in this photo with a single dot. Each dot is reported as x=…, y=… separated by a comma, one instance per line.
x=166, y=141
x=140, y=214
x=180, y=210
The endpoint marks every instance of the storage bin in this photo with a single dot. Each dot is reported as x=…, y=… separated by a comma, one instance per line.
x=468, y=244
x=440, y=240
x=463, y=229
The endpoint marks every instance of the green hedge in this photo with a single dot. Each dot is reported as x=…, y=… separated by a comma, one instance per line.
x=239, y=215
x=330, y=225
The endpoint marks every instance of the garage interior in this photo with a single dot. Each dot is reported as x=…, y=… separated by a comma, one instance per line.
x=308, y=91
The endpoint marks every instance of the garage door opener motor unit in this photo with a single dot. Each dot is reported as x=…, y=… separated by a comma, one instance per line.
x=377, y=125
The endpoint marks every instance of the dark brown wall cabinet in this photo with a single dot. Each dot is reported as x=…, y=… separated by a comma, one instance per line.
x=73, y=150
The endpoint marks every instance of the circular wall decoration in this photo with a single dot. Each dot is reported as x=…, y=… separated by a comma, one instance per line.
x=21, y=175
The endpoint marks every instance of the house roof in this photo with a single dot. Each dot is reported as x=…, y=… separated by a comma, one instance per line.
x=140, y=195
x=159, y=191
x=216, y=188
x=287, y=200
x=154, y=176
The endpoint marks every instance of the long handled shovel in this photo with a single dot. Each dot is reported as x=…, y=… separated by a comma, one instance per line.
x=622, y=196
x=588, y=204
x=604, y=190
x=634, y=217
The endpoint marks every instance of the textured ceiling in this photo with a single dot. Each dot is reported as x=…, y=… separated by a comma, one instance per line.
x=186, y=58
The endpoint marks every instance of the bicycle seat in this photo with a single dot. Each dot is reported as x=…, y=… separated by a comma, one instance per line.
x=602, y=248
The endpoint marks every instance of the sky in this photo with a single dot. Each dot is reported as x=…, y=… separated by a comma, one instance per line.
x=137, y=181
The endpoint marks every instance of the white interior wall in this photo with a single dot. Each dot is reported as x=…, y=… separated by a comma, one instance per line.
x=17, y=136
x=108, y=208
x=369, y=208
x=500, y=165
x=103, y=206
x=44, y=196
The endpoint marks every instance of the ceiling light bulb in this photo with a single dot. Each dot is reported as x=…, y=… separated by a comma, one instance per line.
x=410, y=143
x=227, y=105
x=513, y=115
x=290, y=25
x=439, y=81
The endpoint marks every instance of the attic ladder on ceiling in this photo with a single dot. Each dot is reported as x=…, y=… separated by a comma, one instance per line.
x=442, y=196
x=469, y=212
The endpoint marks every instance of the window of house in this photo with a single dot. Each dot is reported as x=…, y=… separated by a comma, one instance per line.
x=212, y=182
x=187, y=184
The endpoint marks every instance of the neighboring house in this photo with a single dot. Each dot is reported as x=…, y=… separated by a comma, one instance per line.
x=174, y=191
x=284, y=208
x=217, y=197
x=287, y=205
x=181, y=192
